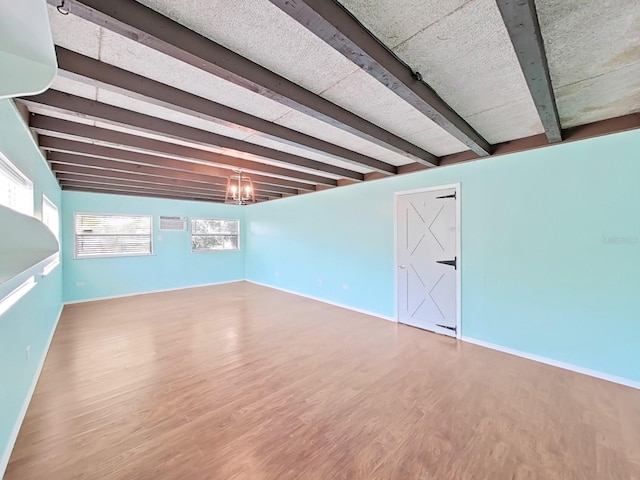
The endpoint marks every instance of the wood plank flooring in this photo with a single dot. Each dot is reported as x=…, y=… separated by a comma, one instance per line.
x=240, y=381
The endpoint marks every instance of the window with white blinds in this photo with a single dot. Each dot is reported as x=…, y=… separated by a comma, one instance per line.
x=214, y=234
x=50, y=216
x=100, y=235
x=16, y=190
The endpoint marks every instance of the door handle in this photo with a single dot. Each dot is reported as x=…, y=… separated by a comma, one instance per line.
x=402, y=266
x=452, y=263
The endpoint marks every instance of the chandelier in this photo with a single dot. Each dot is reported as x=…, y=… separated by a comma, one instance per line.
x=239, y=190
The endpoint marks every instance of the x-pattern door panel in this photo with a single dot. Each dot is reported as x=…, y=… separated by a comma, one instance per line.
x=427, y=235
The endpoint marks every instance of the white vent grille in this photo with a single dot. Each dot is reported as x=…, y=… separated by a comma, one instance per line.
x=175, y=224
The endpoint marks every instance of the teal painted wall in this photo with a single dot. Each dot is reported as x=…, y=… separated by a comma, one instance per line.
x=550, y=249
x=29, y=322
x=171, y=266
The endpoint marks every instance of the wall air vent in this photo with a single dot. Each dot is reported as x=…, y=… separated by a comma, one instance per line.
x=173, y=224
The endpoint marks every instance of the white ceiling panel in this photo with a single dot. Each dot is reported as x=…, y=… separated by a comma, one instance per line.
x=439, y=142
x=75, y=34
x=507, y=122
x=605, y=96
x=363, y=95
x=593, y=50
x=73, y=87
x=52, y=112
x=123, y=101
x=585, y=38
x=134, y=57
x=303, y=152
x=261, y=32
x=311, y=126
x=395, y=21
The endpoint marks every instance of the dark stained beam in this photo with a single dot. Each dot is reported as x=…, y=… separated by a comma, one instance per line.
x=57, y=127
x=123, y=186
x=63, y=150
x=89, y=189
x=120, y=183
x=331, y=22
x=67, y=103
x=521, y=20
x=77, y=164
x=128, y=188
x=142, y=24
x=88, y=70
x=105, y=176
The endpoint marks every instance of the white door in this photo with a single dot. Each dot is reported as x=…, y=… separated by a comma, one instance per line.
x=427, y=259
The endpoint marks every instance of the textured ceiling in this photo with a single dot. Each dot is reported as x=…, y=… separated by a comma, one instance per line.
x=593, y=50
x=461, y=48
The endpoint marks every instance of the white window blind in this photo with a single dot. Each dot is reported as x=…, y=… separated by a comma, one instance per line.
x=214, y=234
x=16, y=190
x=50, y=216
x=99, y=235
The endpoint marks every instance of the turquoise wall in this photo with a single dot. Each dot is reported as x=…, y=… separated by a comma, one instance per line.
x=30, y=322
x=172, y=264
x=550, y=249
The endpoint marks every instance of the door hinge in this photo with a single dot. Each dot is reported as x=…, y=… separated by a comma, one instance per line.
x=453, y=329
x=452, y=263
x=453, y=195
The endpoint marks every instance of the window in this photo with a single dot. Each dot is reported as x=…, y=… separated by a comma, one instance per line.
x=12, y=298
x=214, y=234
x=100, y=235
x=51, y=219
x=16, y=190
x=50, y=216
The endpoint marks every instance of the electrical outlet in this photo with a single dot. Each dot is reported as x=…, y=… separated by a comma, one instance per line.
x=320, y=281
x=277, y=274
x=345, y=287
x=27, y=352
x=79, y=284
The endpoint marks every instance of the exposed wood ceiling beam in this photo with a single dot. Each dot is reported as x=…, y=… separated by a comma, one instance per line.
x=124, y=187
x=71, y=172
x=56, y=127
x=128, y=188
x=89, y=189
x=521, y=20
x=144, y=25
x=78, y=164
x=88, y=70
x=331, y=22
x=108, y=178
x=80, y=153
x=64, y=102
x=120, y=183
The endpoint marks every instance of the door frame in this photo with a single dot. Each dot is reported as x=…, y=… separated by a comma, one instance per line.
x=456, y=187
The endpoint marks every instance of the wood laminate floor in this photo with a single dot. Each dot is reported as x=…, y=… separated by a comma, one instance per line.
x=240, y=381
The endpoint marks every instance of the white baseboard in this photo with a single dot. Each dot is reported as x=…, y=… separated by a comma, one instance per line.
x=95, y=299
x=4, y=460
x=555, y=363
x=341, y=305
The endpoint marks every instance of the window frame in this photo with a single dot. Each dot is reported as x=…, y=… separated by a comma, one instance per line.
x=13, y=169
x=212, y=250
x=111, y=255
x=47, y=201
